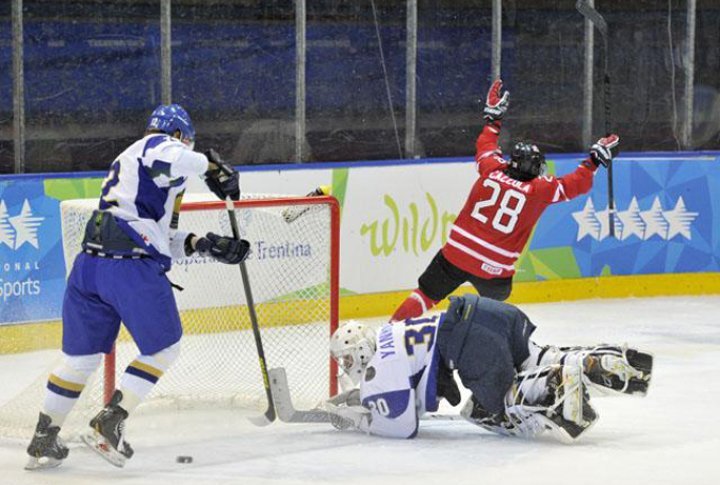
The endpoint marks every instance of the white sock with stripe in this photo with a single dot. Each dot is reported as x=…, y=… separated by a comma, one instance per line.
x=143, y=373
x=65, y=384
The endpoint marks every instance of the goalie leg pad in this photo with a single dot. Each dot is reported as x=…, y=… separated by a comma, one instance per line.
x=618, y=369
x=610, y=369
x=552, y=399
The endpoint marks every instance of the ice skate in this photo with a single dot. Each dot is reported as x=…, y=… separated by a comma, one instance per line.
x=46, y=449
x=614, y=369
x=107, y=437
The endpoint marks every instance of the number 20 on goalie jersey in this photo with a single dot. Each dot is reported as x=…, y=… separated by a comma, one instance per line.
x=400, y=381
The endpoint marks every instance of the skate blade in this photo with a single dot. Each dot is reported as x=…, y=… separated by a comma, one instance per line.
x=100, y=446
x=42, y=463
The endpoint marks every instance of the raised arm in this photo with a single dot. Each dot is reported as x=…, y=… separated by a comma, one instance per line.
x=580, y=181
x=487, y=152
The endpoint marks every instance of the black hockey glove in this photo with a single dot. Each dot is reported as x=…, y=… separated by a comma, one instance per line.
x=221, y=178
x=497, y=102
x=446, y=385
x=223, y=249
x=604, y=150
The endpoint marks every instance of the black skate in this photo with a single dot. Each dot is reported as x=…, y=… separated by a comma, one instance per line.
x=46, y=449
x=476, y=414
x=618, y=369
x=107, y=437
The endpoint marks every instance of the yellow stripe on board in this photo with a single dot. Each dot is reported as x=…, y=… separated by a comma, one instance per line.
x=47, y=335
x=381, y=304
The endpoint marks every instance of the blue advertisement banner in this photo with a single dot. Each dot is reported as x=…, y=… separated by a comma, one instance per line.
x=32, y=270
x=667, y=221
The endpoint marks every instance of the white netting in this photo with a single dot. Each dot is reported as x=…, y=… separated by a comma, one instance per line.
x=289, y=272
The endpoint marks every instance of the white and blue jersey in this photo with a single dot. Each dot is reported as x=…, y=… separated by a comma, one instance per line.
x=399, y=384
x=144, y=190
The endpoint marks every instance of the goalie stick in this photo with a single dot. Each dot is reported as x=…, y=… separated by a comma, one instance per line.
x=283, y=402
x=288, y=414
x=589, y=12
x=269, y=414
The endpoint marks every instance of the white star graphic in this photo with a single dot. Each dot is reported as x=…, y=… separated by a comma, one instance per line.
x=631, y=222
x=587, y=221
x=26, y=227
x=655, y=222
x=679, y=220
x=604, y=222
x=7, y=234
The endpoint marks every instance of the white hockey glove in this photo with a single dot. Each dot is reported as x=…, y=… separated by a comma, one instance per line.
x=346, y=412
x=349, y=417
x=348, y=398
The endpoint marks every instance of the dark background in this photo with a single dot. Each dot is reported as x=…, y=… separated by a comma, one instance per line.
x=92, y=74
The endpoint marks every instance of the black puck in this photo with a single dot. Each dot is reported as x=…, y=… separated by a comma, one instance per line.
x=184, y=459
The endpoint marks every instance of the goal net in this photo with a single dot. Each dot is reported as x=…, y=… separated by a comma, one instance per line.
x=293, y=273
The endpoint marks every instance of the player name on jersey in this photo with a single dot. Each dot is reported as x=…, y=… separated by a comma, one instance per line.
x=507, y=180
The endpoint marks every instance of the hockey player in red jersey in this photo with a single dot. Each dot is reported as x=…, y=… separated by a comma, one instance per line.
x=499, y=214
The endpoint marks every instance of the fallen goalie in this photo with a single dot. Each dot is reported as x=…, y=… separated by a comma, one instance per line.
x=518, y=388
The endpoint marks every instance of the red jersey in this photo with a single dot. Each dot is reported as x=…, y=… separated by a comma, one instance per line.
x=500, y=212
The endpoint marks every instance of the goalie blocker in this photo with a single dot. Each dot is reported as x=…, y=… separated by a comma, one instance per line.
x=518, y=388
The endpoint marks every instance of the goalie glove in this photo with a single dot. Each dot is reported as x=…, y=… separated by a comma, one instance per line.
x=223, y=249
x=497, y=102
x=604, y=150
x=347, y=398
x=344, y=417
x=221, y=178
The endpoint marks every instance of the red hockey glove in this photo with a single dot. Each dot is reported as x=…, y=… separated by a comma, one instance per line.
x=497, y=102
x=604, y=150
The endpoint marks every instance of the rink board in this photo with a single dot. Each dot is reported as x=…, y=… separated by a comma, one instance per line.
x=397, y=214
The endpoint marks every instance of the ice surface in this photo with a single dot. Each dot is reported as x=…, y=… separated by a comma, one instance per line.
x=670, y=437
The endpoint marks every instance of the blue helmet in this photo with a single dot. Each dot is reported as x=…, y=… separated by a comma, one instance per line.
x=169, y=118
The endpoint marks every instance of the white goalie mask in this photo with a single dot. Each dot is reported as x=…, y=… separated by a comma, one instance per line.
x=352, y=346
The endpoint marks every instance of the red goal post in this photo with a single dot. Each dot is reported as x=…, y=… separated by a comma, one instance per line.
x=308, y=209
x=285, y=204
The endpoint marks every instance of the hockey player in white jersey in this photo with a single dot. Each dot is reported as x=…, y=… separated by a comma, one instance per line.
x=518, y=387
x=119, y=275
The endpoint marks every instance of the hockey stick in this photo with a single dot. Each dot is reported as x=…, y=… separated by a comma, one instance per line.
x=288, y=414
x=283, y=402
x=589, y=12
x=269, y=414
x=292, y=214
